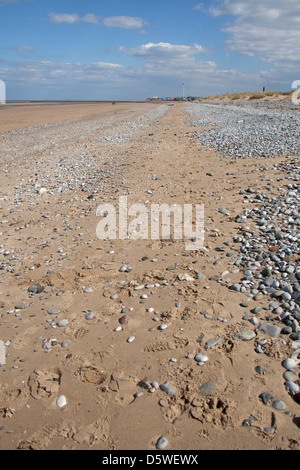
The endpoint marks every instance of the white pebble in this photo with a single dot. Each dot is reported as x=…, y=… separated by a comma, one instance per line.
x=289, y=363
x=201, y=358
x=61, y=401
x=292, y=387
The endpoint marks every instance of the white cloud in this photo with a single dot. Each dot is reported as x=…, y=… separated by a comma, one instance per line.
x=25, y=48
x=64, y=18
x=164, y=51
x=268, y=29
x=90, y=18
x=199, y=6
x=125, y=22
x=72, y=18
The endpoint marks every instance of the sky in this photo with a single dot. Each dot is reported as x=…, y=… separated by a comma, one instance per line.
x=137, y=49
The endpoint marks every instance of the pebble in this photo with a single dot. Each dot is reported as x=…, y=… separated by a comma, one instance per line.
x=89, y=315
x=213, y=342
x=168, y=389
x=162, y=443
x=185, y=277
x=53, y=311
x=279, y=405
x=266, y=397
x=289, y=364
x=270, y=329
x=245, y=335
x=207, y=388
x=292, y=387
x=289, y=375
x=139, y=287
x=36, y=288
x=260, y=370
x=201, y=358
x=61, y=401
x=124, y=320
x=63, y=322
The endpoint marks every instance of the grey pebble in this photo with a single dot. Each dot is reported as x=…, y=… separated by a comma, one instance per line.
x=270, y=329
x=167, y=388
x=162, y=443
x=63, y=322
x=89, y=315
x=245, y=335
x=53, y=311
x=279, y=405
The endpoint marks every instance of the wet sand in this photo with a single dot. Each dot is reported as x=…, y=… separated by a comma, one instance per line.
x=22, y=115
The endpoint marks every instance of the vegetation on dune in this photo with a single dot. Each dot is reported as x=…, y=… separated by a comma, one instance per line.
x=247, y=96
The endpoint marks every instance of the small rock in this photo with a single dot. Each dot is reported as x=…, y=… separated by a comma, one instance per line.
x=61, y=401
x=168, y=389
x=53, y=311
x=201, y=358
x=292, y=387
x=63, y=322
x=36, y=288
x=124, y=319
x=207, y=388
x=289, y=363
x=185, y=277
x=271, y=330
x=246, y=335
x=260, y=370
x=266, y=397
x=279, y=405
x=89, y=315
x=162, y=443
x=213, y=342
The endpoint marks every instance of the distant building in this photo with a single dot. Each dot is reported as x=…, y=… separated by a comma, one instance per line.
x=2, y=92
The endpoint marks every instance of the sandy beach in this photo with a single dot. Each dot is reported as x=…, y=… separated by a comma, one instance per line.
x=101, y=337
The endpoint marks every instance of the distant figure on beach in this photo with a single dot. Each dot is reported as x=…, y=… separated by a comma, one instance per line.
x=2, y=92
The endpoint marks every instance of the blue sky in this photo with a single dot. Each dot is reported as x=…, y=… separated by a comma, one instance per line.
x=131, y=50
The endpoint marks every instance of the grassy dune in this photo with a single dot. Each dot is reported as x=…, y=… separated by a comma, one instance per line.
x=248, y=96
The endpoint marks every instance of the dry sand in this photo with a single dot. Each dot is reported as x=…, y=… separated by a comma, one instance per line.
x=99, y=372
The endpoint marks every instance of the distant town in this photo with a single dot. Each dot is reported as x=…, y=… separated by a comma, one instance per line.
x=177, y=98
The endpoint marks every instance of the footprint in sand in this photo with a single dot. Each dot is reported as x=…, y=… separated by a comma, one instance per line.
x=91, y=374
x=44, y=383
